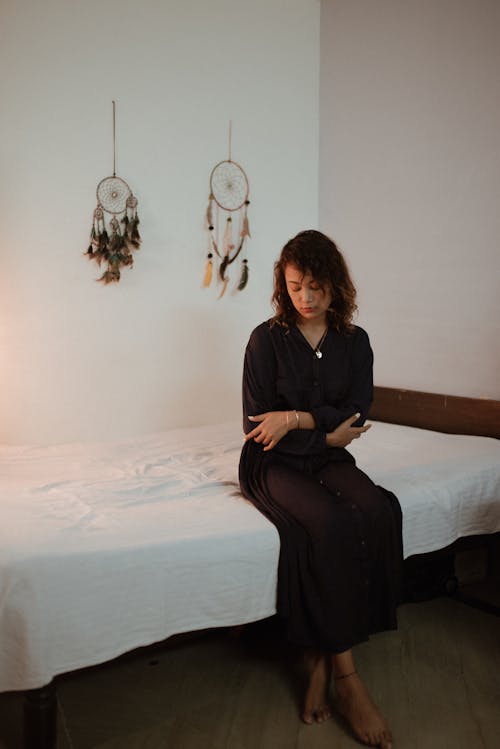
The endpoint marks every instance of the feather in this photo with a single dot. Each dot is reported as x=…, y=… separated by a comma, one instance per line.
x=129, y=246
x=222, y=268
x=244, y=276
x=207, y=278
x=227, y=240
x=132, y=232
x=209, y=210
x=224, y=287
x=112, y=275
x=116, y=242
x=102, y=243
x=245, y=232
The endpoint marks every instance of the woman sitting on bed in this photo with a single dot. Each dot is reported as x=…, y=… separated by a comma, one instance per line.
x=307, y=389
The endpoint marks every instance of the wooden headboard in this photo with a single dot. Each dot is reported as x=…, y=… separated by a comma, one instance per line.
x=442, y=413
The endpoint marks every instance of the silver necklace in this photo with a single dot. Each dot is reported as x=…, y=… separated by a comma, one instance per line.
x=317, y=349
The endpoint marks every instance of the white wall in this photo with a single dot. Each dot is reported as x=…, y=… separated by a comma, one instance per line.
x=81, y=361
x=410, y=182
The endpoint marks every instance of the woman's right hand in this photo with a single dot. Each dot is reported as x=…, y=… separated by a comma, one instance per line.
x=345, y=433
x=272, y=426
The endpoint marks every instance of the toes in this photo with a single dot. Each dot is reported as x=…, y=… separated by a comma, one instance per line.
x=317, y=716
x=323, y=714
x=385, y=742
x=373, y=738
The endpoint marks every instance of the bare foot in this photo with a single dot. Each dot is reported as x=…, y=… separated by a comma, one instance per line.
x=316, y=707
x=364, y=717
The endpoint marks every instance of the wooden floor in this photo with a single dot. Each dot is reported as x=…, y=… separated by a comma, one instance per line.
x=437, y=679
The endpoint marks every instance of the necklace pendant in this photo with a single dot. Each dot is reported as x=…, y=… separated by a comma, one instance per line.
x=318, y=354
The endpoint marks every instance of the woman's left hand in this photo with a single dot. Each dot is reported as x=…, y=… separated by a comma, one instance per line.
x=272, y=426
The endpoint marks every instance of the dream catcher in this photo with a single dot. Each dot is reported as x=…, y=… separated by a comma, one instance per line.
x=227, y=222
x=114, y=242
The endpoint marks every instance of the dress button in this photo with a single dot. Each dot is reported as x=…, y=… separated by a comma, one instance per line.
x=337, y=493
x=363, y=543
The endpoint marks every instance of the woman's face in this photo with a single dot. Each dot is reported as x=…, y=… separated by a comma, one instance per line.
x=310, y=300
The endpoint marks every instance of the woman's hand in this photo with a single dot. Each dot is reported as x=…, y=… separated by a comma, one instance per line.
x=272, y=426
x=344, y=434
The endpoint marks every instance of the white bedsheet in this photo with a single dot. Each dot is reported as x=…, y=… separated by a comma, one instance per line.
x=107, y=547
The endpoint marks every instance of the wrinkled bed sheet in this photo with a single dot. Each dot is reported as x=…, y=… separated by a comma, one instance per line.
x=107, y=547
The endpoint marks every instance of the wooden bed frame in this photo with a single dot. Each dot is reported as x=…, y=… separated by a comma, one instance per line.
x=433, y=574
x=442, y=413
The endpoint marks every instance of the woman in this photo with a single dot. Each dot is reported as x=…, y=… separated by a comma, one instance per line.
x=307, y=389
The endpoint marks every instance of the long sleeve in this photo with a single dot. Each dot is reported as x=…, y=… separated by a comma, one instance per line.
x=359, y=394
x=260, y=395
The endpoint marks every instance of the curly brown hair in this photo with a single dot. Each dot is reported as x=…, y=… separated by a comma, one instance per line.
x=315, y=253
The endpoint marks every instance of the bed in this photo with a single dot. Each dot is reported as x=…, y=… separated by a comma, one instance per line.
x=108, y=547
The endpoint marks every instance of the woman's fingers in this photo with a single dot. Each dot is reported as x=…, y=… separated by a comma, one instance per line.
x=350, y=420
x=266, y=439
x=263, y=436
x=256, y=434
x=271, y=428
x=358, y=430
x=253, y=433
x=270, y=446
x=346, y=434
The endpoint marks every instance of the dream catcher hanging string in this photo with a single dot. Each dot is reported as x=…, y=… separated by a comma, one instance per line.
x=228, y=200
x=114, y=241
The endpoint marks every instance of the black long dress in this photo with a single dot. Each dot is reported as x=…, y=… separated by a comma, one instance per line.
x=340, y=535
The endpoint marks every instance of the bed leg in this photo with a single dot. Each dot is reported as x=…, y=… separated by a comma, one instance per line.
x=40, y=716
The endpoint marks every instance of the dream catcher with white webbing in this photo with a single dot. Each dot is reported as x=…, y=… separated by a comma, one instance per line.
x=115, y=234
x=227, y=223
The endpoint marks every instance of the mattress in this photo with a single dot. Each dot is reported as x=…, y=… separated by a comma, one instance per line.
x=107, y=547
